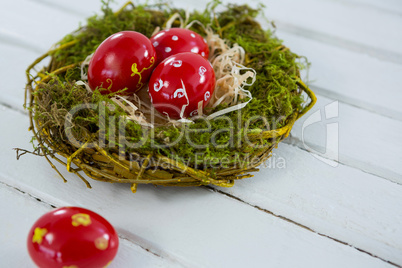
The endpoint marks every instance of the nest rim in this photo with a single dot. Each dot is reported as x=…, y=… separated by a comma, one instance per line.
x=139, y=172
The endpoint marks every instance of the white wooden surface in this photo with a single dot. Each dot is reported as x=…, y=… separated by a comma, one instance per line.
x=341, y=210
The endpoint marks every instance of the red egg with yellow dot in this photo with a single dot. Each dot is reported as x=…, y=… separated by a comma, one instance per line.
x=72, y=237
x=177, y=40
x=123, y=60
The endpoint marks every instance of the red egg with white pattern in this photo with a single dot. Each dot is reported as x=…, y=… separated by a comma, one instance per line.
x=177, y=40
x=181, y=83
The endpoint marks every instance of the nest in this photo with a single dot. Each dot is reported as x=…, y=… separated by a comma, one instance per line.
x=122, y=139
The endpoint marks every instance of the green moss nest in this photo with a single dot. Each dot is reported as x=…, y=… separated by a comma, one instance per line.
x=276, y=93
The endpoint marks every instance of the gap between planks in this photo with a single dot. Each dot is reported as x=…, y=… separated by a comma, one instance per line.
x=377, y=109
x=291, y=140
x=14, y=39
x=210, y=188
x=271, y=212
x=294, y=30
x=13, y=108
x=381, y=54
x=393, y=57
x=150, y=250
x=121, y=236
x=385, y=8
x=354, y=46
x=345, y=100
x=297, y=143
x=64, y=8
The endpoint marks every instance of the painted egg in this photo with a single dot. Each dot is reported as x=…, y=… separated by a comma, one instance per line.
x=123, y=60
x=72, y=237
x=179, y=83
x=177, y=40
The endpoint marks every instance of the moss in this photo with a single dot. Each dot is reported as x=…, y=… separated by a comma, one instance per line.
x=275, y=93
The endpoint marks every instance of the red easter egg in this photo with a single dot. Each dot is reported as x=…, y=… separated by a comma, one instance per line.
x=123, y=60
x=72, y=237
x=177, y=40
x=179, y=83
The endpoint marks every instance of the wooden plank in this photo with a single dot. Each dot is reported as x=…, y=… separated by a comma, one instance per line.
x=77, y=8
x=337, y=84
x=353, y=136
x=352, y=121
x=27, y=24
x=21, y=210
x=337, y=20
x=13, y=84
x=390, y=6
x=351, y=77
x=342, y=202
x=166, y=195
x=89, y=6
x=330, y=76
x=193, y=226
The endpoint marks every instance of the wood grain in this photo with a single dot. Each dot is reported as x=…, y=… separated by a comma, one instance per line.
x=174, y=222
x=306, y=214
x=24, y=210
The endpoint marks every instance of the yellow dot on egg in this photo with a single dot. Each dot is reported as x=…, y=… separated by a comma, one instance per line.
x=81, y=219
x=39, y=233
x=101, y=243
